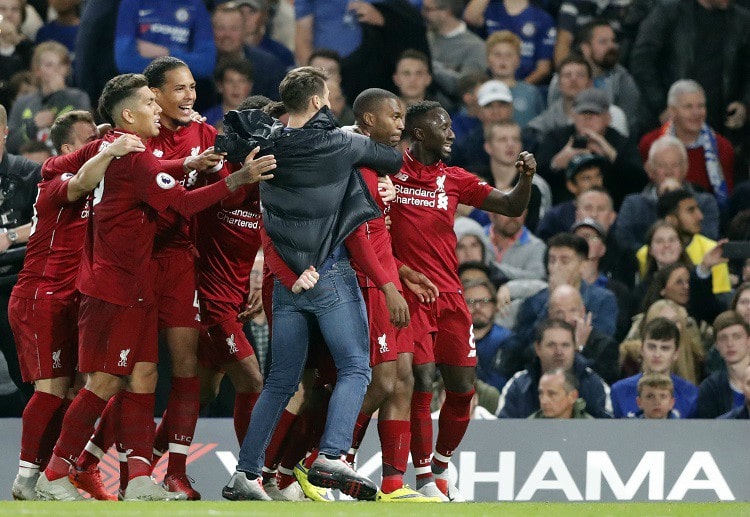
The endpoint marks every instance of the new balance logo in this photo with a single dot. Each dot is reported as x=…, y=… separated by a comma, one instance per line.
x=401, y=176
x=158, y=153
x=56, y=359
x=382, y=344
x=232, y=346
x=123, y=357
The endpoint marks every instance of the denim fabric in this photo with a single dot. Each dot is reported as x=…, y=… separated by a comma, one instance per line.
x=337, y=306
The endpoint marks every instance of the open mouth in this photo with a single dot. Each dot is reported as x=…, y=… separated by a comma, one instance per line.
x=186, y=109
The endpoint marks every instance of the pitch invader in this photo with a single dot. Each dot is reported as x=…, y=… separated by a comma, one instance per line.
x=427, y=194
x=43, y=308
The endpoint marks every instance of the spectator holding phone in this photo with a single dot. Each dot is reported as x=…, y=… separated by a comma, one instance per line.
x=590, y=132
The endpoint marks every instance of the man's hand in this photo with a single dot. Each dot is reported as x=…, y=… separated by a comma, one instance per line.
x=151, y=50
x=526, y=163
x=736, y=115
x=306, y=280
x=197, y=117
x=366, y=13
x=386, y=189
x=599, y=145
x=583, y=330
x=561, y=160
x=44, y=118
x=125, y=144
x=397, y=306
x=208, y=159
x=418, y=284
x=252, y=171
x=503, y=299
x=713, y=257
x=254, y=306
x=5, y=242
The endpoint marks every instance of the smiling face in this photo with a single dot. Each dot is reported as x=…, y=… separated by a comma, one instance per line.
x=176, y=97
x=436, y=134
x=689, y=112
x=665, y=246
x=142, y=114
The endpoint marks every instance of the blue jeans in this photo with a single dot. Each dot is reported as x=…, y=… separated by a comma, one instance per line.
x=336, y=303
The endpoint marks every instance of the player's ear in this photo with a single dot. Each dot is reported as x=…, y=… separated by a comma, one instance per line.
x=418, y=134
x=369, y=119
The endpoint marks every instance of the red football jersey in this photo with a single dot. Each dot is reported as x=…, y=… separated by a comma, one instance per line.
x=422, y=217
x=173, y=231
x=228, y=240
x=378, y=235
x=53, y=253
x=115, y=265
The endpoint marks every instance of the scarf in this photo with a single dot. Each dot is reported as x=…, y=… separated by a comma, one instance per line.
x=707, y=140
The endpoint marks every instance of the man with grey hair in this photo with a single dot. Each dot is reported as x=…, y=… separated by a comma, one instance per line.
x=710, y=156
x=558, y=396
x=667, y=167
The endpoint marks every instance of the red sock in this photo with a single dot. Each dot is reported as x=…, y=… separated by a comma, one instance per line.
x=104, y=435
x=53, y=432
x=77, y=426
x=360, y=429
x=284, y=478
x=311, y=458
x=454, y=419
x=182, y=408
x=161, y=436
x=137, y=431
x=36, y=423
x=395, y=438
x=298, y=442
x=421, y=433
x=278, y=440
x=243, y=409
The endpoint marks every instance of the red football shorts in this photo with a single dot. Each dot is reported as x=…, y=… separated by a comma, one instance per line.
x=112, y=338
x=46, y=335
x=174, y=286
x=223, y=342
x=442, y=331
x=386, y=341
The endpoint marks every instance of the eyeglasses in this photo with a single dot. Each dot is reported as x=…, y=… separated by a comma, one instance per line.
x=479, y=302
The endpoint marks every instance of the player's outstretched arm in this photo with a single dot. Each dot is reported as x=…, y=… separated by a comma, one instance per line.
x=92, y=172
x=514, y=202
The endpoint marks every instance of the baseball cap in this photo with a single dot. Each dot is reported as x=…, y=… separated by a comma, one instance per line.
x=588, y=222
x=591, y=101
x=492, y=91
x=582, y=161
x=258, y=5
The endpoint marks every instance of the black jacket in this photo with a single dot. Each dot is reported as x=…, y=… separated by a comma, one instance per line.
x=18, y=187
x=715, y=396
x=664, y=50
x=317, y=197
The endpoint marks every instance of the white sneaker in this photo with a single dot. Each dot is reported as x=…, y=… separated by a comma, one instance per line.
x=23, y=488
x=144, y=488
x=294, y=492
x=446, y=487
x=431, y=490
x=240, y=488
x=58, y=490
x=272, y=489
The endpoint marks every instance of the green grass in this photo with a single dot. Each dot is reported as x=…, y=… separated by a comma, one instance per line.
x=221, y=509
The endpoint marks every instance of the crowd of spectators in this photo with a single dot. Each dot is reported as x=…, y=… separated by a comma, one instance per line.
x=636, y=112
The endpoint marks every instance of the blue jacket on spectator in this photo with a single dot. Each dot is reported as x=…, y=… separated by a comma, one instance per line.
x=716, y=396
x=520, y=398
x=489, y=355
x=183, y=26
x=625, y=391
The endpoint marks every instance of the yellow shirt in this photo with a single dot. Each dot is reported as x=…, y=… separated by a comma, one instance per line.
x=698, y=247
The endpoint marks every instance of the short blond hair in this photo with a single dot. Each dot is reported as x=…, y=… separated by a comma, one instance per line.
x=503, y=37
x=659, y=381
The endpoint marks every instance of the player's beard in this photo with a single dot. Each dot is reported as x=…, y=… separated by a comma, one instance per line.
x=180, y=123
x=609, y=59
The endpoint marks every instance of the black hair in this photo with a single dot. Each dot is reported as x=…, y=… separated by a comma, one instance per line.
x=118, y=89
x=669, y=202
x=156, y=71
x=661, y=329
x=416, y=113
x=368, y=101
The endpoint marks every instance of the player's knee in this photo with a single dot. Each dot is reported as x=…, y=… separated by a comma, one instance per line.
x=143, y=379
x=103, y=385
x=423, y=377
